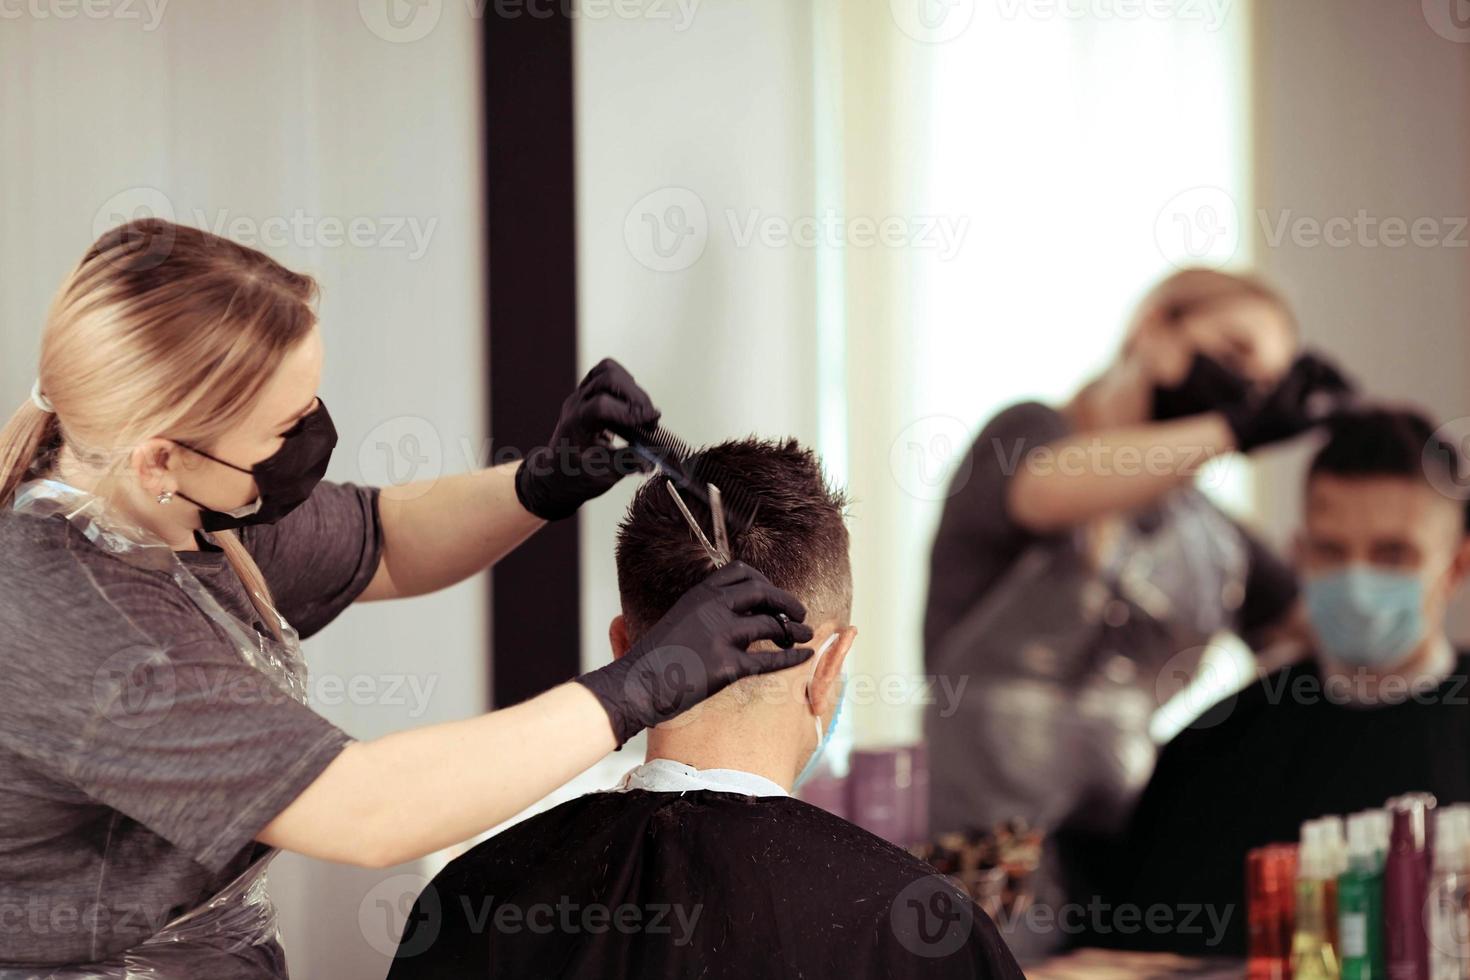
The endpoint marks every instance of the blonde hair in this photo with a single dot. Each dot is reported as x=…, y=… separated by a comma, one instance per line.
x=160, y=329
x=1192, y=289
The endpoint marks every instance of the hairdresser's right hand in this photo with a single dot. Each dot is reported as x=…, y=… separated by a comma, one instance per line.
x=698, y=649
x=579, y=462
x=1306, y=396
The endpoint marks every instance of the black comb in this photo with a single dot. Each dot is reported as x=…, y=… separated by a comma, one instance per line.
x=691, y=473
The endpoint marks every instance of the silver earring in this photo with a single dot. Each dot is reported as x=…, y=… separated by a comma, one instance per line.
x=166, y=496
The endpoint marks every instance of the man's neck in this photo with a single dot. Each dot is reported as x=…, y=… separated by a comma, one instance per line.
x=700, y=746
x=1424, y=669
x=670, y=776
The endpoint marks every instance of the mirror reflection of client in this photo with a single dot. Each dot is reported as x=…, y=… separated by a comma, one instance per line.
x=700, y=862
x=1382, y=708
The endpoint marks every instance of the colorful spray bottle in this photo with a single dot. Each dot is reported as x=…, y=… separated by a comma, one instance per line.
x=1406, y=887
x=1449, y=918
x=1270, y=887
x=1360, y=897
x=1312, y=954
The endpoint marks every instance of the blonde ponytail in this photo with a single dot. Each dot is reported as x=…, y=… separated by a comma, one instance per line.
x=30, y=436
x=161, y=329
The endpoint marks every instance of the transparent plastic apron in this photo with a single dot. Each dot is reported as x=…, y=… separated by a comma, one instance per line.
x=223, y=929
x=1065, y=664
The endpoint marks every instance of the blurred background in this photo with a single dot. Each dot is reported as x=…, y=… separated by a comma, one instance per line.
x=865, y=224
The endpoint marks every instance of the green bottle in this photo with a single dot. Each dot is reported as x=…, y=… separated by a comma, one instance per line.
x=1360, y=899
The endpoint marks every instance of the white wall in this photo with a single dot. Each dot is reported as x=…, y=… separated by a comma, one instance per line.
x=258, y=111
x=1055, y=142
x=1364, y=106
x=712, y=116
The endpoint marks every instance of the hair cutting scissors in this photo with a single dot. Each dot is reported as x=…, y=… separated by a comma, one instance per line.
x=719, y=549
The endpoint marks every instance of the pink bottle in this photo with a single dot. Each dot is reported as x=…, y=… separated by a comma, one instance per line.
x=1406, y=888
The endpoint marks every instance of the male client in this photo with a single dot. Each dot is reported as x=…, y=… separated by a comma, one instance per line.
x=1381, y=708
x=700, y=863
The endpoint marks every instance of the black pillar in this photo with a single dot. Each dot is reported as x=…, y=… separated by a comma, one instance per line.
x=535, y=631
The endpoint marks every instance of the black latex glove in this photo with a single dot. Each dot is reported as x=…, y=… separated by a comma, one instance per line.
x=1206, y=387
x=578, y=462
x=1311, y=391
x=698, y=649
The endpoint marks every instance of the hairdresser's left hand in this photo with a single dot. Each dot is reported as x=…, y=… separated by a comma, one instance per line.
x=700, y=647
x=1304, y=398
x=579, y=462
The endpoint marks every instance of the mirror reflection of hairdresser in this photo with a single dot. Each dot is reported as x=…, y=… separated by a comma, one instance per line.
x=166, y=539
x=1065, y=582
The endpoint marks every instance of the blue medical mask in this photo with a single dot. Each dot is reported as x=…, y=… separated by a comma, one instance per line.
x=1366, y=616
x=823, y=737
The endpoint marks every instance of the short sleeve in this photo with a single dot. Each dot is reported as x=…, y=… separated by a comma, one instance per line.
x=976, y=539
x=1271, y=587
x=321, y=556
x=133, y=700
x=198, y=746
x=979, y=488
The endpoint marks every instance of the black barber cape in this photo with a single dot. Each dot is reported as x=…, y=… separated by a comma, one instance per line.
x=694, y=884
x=1248, y=772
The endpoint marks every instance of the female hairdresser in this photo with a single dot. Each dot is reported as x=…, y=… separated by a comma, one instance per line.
x=164, y=540
x=1076, y=573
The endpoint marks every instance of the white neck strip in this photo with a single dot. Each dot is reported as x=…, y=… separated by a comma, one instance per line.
x=668, y=776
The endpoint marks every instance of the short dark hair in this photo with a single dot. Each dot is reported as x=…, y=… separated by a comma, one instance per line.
x=798, y=539
x=1390, y=441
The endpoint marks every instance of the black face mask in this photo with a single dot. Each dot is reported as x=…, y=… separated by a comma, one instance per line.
x=284, y=479
x=1208, y=386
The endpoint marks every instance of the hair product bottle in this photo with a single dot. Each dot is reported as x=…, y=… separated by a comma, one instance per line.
x=1334, y=863
x=1270, y=889
x=1360, y=897
x=1405, y=888
x=1312, y=955
x=1449, y=919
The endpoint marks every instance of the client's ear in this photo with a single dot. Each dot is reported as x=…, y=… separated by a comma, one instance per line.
x=1298, y=550
x=823, y=686
x=617, y=635
x=1460, y=564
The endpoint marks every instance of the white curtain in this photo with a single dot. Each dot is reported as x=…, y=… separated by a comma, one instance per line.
x=965, y=199
x=1046, y=162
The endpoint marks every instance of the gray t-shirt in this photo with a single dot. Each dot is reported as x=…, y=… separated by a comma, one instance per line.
x=118, y=809
x=977, y=542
